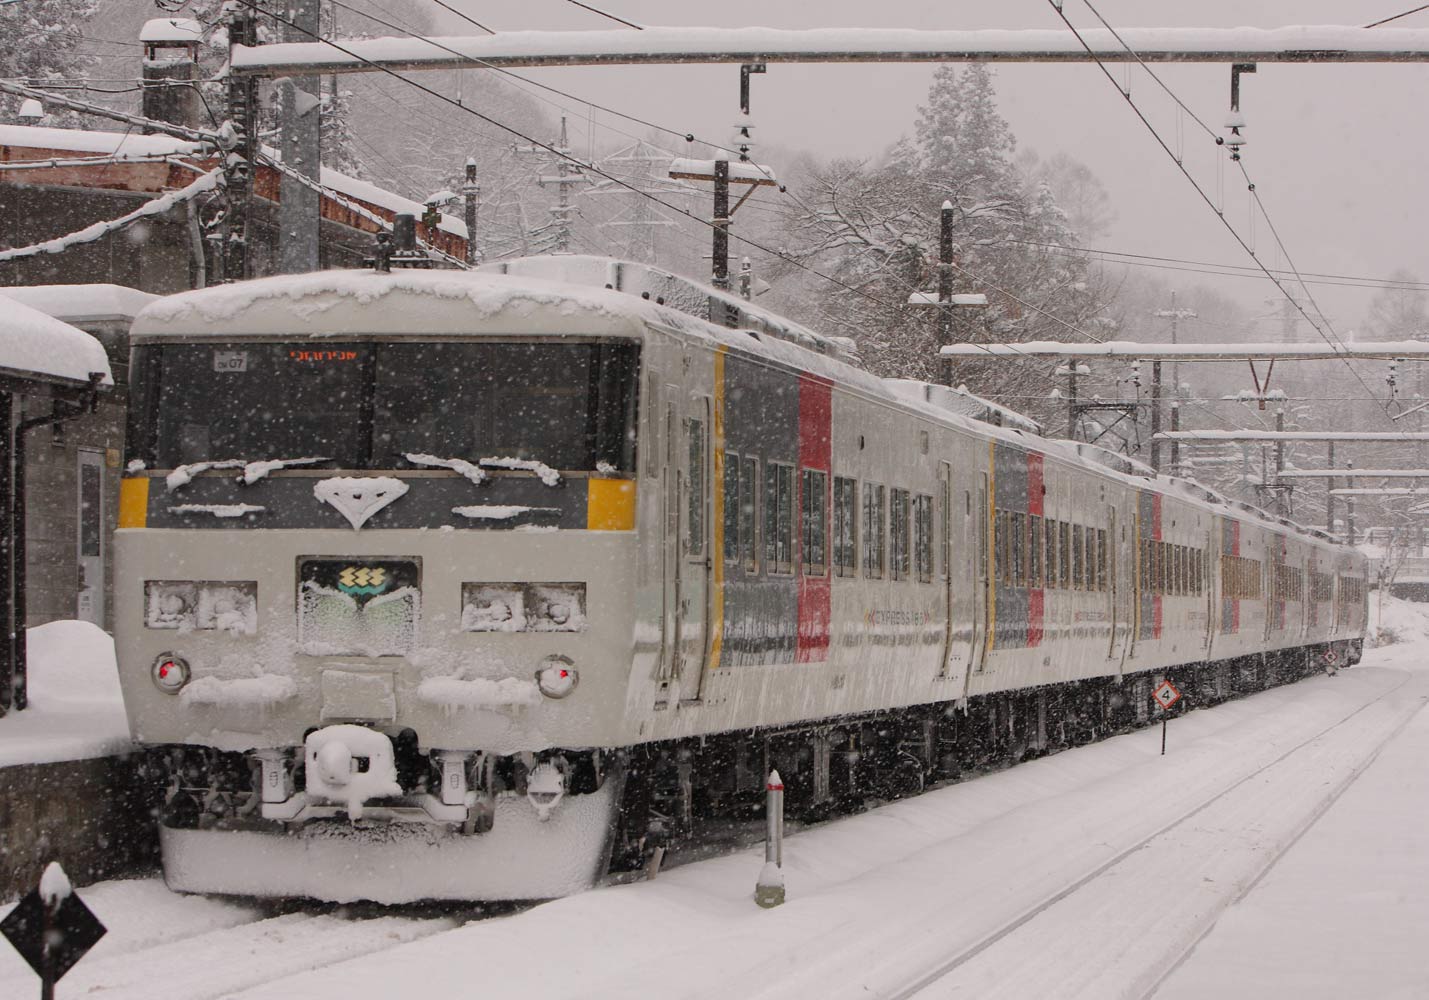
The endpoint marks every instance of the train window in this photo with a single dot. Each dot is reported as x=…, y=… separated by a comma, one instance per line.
x=923, y=537
x=1064, y=555
x=813, y=504
x=1077, y=557
x=730, y=507
x=898, y=534
x=845, y=527
x=749, y=513
x=873, y=531
x=695, y=520
x=778, y=518
x=1091, y=556
x=1103, y=582
x=1034, y=549
x=1051, y=552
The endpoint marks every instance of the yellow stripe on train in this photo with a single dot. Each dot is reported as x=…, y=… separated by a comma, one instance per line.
x=134, y=502
x=610, y=505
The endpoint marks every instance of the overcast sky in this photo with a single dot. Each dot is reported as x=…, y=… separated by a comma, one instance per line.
x=1336, y=152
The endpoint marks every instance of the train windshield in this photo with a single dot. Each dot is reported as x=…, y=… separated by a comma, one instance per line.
x=366, y=404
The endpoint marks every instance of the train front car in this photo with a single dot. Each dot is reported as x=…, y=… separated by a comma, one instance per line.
x=375, y=560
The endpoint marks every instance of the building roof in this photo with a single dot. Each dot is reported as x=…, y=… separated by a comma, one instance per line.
x=78, y=304
x=39, y=348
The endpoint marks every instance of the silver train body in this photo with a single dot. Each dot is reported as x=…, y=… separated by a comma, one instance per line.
x=424, y=578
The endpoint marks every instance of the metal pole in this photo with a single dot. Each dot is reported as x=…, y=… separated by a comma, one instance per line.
x=300, y=130
x=1155, y=415
x=769, y=890
x=1330, y=492
x=471, y=191
x=721, y=225
x=945, y=280
x=18, y=555
x=1279, y=463
x=239, y=165
x=7, y=552
x=1175, y=426
x=1072, y=400
x=1350, y=504
x=1164, y=720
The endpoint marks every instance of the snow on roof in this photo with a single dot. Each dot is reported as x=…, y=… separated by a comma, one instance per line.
x=91, y=141
x=739, y=172
x=962, y=401
x=36, y=346
x=171, y=29
x=124, y=143
x=753, y=44
x=381, y=197
x=82, y=303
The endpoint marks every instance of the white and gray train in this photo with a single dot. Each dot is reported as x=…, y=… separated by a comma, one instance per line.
x=439, y=584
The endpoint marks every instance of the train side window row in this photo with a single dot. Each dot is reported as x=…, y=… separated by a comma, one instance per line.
x=1044, y=553
x=1240, y=578
x=1288, y=583
x=1172, y=570
x=893, y=525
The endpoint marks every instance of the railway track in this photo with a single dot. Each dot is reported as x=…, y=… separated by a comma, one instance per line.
x=164, y=946
x=1140, y=940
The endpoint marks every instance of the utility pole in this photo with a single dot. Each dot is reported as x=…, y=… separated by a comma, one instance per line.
x=1280, y=505
x=1156, y=415
x=568, y=174
x=300, y=131
x=1175, y=316
x=1330, y=492
x=471, y=195
x=720, y=246
x=945, y=280
x=239, y=157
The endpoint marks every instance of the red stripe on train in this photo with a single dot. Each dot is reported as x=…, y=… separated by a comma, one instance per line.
x=815, y=452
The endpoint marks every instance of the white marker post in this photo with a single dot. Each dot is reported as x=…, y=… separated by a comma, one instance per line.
x=769, y=890
x=1165, y=696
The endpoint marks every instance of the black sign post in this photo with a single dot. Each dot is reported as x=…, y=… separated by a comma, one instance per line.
x=52, y=929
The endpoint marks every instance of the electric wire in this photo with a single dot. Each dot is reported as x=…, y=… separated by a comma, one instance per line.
x=1396, y=17
x=596, y=10
x=1330, y=338
x=252, y=5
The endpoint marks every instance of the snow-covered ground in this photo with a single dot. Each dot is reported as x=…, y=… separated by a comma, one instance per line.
x=1278, y=849
x=76, y=710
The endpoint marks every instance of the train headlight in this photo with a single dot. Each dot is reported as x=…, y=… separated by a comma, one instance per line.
x=523, y=607
x=170, y=673
x=557, y=677
x=180, y=604
x=556, y=607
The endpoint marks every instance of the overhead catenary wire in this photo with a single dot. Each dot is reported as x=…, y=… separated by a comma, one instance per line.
x=605, y=14
x=594, y=169
x=1330, y=338
x=1396, y=17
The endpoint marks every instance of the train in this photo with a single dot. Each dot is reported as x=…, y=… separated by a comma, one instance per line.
x=440, y=584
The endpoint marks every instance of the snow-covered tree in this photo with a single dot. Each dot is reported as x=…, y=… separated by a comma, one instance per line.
x=40, y=42
x=873, y=226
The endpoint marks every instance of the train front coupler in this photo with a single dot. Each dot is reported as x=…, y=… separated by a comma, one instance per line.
x=351, y=772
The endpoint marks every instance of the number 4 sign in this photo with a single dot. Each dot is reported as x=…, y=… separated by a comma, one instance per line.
x=1166, y=695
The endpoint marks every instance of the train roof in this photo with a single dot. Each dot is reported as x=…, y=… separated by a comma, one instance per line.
x=417, y=302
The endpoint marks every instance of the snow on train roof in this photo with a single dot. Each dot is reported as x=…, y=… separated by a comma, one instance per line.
x=338, y=303
x=33, y=344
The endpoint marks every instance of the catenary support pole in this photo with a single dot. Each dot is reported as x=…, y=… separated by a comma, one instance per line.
x=1155, y=415
x=721, y=226
x=945, y=280
x=1330, y=492
x=300, y=131
x=471, y=194
x=7, y=552
x=1072, y=400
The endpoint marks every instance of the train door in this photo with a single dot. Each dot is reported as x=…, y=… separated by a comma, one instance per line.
x=982, y=606
x=1138, y=575
x=945, y=487
x=89, y=538
x=1210, y=573
x=671, y=477
x=692, y=588
x=1113, y=582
